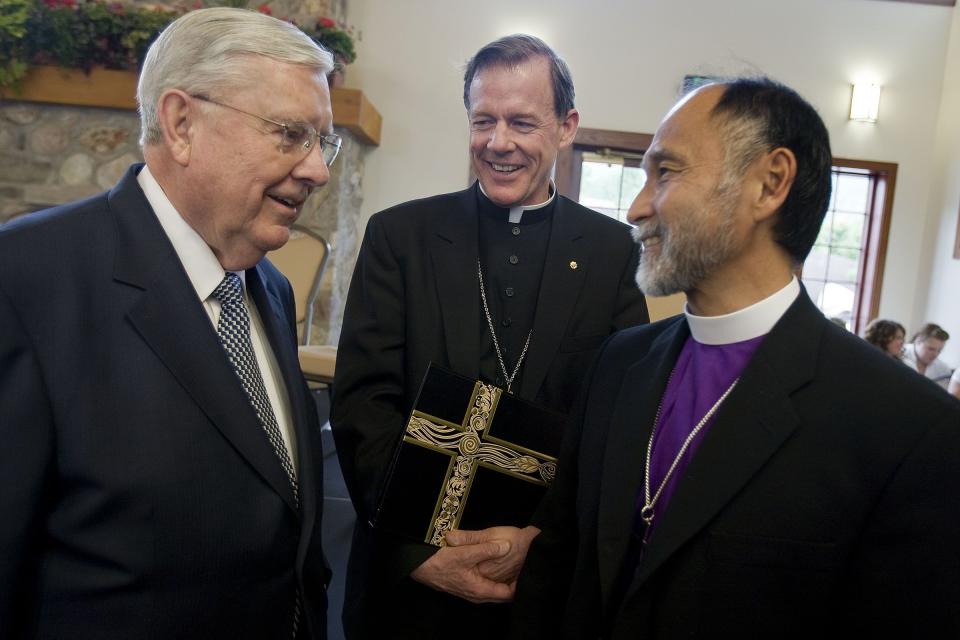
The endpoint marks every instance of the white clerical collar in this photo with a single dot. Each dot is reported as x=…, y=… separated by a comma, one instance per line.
x=517, y=212
x=198, y=259
x=747, y=323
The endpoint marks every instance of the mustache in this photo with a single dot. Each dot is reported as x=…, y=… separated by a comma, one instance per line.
x=642, y=232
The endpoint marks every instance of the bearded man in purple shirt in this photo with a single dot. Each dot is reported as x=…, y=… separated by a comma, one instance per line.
x=746, y=469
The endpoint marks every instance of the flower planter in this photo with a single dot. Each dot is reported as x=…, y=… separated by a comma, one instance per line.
x=110, y=89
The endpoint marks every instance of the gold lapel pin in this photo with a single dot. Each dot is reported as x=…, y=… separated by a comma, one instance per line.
x=573, y=264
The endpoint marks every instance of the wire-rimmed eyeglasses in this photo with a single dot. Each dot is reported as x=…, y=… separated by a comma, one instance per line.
x=295, y=137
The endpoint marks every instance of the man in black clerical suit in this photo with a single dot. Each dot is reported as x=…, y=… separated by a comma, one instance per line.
x=558, y=279
x=747, y=469
x=160, y=463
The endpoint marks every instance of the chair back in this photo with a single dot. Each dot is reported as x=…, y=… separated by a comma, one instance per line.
x=303, y=260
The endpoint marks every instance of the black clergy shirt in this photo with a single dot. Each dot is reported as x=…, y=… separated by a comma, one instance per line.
x=512, y=257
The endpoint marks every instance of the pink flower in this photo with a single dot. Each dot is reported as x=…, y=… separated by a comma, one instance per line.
x=326, y=23
x=265, y=9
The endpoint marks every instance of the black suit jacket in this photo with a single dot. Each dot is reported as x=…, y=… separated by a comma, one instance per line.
x=822, y=502
x=414, y=299
x=140, y=495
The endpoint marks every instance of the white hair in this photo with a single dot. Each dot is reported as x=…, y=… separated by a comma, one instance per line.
x=207, y=49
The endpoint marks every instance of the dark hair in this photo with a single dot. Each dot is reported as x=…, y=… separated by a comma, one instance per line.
x=880, y=332
x=931, y=330
x=512, y=50
x=759, y=115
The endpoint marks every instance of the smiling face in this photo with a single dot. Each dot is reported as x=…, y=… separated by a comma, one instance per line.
x=685, y=215
x=515, y=134
x=241, y=191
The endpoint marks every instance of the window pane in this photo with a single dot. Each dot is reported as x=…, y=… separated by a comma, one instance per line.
x=600, y=184
x=816, y=263
x=851, y=193
x=824, y=236
x=836, y=301
x=633, y=180
x=843, y=267
x=848, y=230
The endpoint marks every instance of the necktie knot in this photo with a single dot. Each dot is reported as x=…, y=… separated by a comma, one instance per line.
x=230, y=289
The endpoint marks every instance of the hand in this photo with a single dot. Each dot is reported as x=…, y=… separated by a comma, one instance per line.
x=454, y=570
x=505, y=568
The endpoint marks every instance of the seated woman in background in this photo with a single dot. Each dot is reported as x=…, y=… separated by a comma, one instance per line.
x=887, y=335
x=922, y=354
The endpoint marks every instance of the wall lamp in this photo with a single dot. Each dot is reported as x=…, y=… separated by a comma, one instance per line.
x=865, y=102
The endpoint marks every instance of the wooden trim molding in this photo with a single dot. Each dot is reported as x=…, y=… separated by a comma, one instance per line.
x=110, y=89
x=942, y=3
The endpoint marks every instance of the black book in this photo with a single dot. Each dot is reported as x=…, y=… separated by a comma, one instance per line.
x=471, y=456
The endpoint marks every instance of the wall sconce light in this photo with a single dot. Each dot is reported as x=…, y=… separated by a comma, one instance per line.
x=865, y=102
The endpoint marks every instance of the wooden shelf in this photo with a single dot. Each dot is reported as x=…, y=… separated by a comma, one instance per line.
x=110, y=89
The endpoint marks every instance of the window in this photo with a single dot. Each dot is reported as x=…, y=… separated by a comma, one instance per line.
x=844, y=271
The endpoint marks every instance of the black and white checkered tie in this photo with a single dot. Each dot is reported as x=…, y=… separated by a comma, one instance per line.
x=234, y=332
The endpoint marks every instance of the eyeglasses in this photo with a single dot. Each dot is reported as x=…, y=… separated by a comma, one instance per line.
x=295, y=137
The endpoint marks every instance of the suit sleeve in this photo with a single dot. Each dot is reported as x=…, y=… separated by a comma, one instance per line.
x=631, y=308
x=26, y=458
x=367, y=411
x=907, y=571
x=544, y=583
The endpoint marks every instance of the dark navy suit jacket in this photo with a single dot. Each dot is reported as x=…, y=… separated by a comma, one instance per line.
x=139, y=495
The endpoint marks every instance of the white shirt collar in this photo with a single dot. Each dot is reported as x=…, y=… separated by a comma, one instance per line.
x=745, y=324
x=517, y=212
x=197, y=257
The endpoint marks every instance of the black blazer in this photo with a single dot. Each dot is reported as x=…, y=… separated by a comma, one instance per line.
x=414, y=299
x=139, y=493
x=822, y=501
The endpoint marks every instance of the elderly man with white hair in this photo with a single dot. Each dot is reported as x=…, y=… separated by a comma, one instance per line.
x=160, y=471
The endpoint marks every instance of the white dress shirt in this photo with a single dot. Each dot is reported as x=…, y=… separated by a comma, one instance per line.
x=205, y=273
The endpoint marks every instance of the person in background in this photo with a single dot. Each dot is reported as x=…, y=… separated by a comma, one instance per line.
x=506, y=281
x=923, y=354
x=160, y=468
x=954, y=387
x=724, y=474
x=886, y=335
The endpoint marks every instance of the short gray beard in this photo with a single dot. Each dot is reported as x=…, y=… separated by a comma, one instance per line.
x=689, y=253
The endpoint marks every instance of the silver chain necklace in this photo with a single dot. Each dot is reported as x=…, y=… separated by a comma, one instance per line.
x=646, y=513
x=509, y=377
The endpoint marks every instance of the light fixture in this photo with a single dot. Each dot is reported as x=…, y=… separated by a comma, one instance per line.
x=865, y=102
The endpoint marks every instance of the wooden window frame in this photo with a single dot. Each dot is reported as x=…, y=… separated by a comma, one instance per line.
x=866, y=306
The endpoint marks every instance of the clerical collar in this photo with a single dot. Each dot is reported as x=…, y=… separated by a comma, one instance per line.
x=745, y=324
x=516, y=213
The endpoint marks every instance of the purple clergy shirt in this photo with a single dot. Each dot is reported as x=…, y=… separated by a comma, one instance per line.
x=702, y=374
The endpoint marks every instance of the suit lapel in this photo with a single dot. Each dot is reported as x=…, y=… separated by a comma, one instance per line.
x=751, y=426
x=559, y=290
x=632, y=421
x=173, y=324
x=455, y=250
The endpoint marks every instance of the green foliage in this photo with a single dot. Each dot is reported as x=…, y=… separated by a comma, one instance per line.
x=334, y=38
x=85, y=34
x=14, y=15
x=81, y=34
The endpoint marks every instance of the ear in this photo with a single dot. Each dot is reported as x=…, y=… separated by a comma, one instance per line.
x=177, y=114
x=568, y=128
x=776, y=172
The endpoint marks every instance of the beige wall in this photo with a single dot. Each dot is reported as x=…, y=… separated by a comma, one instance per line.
x=628, y=58
x=942, y=271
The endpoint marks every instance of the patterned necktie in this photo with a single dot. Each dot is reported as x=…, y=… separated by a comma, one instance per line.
x=234, y=332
